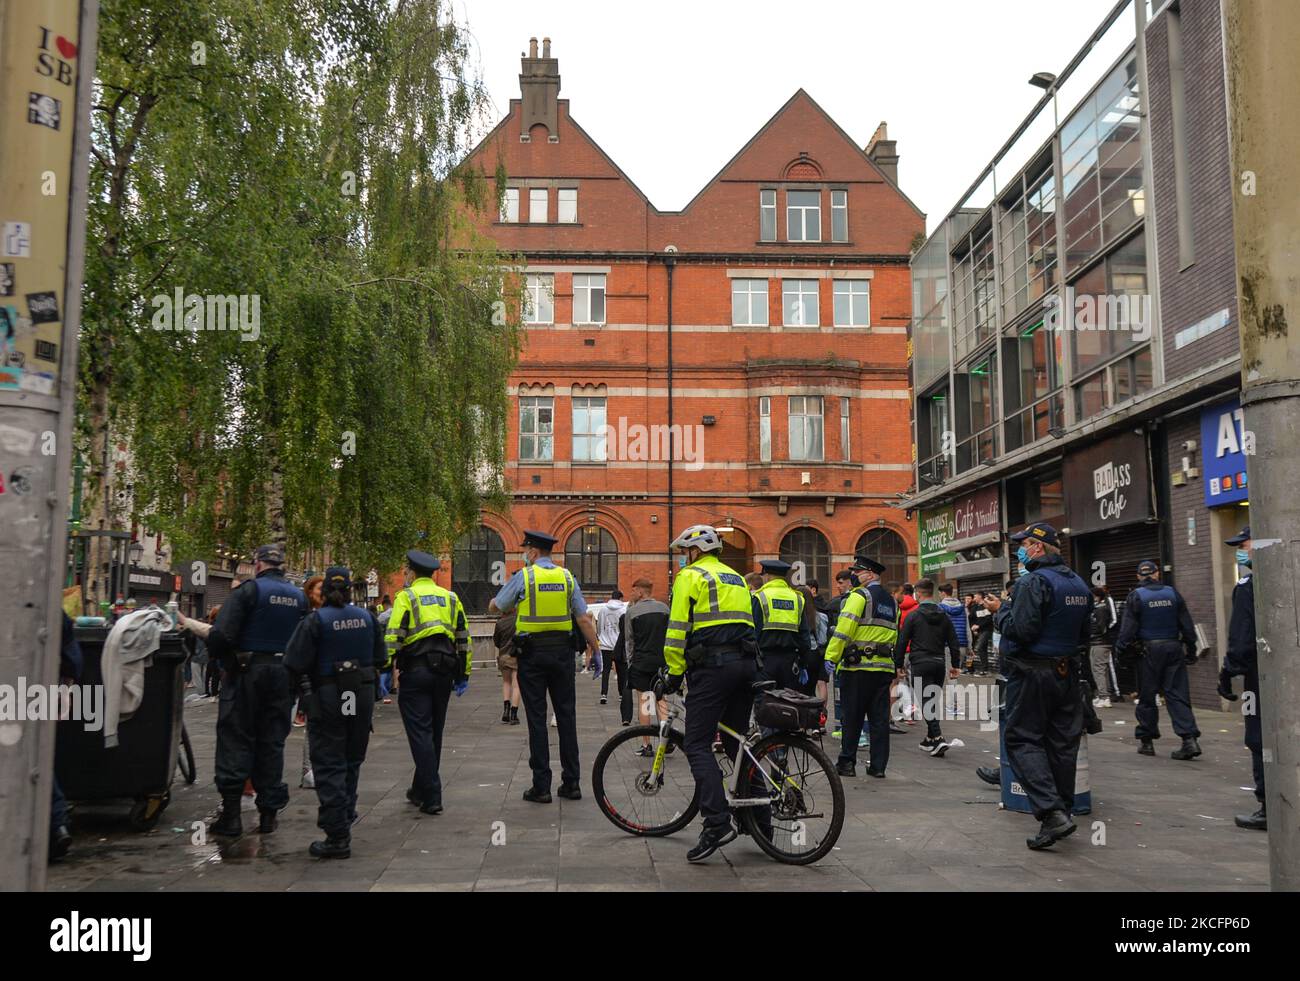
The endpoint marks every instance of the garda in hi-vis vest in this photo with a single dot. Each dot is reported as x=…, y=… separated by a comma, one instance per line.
x=425, y=609
x=706, y=593
x=782, y=606
x=869, y=622
x=545, y=604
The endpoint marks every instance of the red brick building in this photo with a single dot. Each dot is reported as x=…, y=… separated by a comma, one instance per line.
x=765, y=323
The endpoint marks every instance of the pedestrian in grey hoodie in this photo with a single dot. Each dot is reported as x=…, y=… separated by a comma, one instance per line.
x=956, y=611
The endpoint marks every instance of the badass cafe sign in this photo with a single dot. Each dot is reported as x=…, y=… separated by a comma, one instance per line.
x=1108, y=485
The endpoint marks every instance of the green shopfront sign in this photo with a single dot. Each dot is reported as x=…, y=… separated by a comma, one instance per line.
x=938, y=528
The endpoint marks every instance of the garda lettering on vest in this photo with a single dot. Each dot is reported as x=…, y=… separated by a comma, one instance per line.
x=1077, y=601
x=730, y=579
x=1160, y=602
x=282, y=600
x=781, y=604
x=551, y=587
x=354, y=624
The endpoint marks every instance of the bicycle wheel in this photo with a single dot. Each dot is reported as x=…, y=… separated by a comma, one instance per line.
x=626, y=792
x=185, y=759
x=807, y=809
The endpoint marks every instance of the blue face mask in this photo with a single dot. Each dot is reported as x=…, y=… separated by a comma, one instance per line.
x=1243, y=557
x=1022, y=555
x=681, y=562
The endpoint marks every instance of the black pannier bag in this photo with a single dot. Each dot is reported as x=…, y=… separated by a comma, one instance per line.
x=789, y=709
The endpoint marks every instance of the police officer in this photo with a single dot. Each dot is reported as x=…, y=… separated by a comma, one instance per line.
x=861, y=654
x=550, y=603
x=1043, y=626
x=1156, y=614
x=333, y=659
x=778, y=611
x=1243, y=658
x=711, y=635
x=250, y=636
x=428, y=637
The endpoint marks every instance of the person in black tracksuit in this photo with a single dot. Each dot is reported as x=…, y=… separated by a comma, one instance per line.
x=929, y=631
x=1242, y=658
x=1156, y=614
x=641, y=637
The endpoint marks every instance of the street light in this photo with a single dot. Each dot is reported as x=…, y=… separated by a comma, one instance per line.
x=137, y=552
x=1043, y=80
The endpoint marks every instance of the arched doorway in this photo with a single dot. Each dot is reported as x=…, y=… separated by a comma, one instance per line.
x=592, y=556
x=478, y=563
x=737, y=551
x=808, y=551
x=888, y=548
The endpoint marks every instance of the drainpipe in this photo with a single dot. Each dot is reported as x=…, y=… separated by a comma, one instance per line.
x=669, y=262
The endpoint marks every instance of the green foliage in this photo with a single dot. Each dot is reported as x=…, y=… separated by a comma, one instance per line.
x=231, y=177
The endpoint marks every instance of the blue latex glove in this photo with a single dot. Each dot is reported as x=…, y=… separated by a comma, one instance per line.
x=830, y=669
x=460, y=688
x=596, y=665
x=803, y=676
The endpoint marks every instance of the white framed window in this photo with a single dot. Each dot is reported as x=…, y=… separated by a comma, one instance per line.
x=539, y=299
x=803, y=216
x=767, y=215
x=839, y=216
x=538, y=200
x=510, y=205
x=765, y=428
x=536, y=428
x=567, y=206
x=749, y=302
x=844, y=428
x=799, y=302
x=852, y=303
x=588, y=298
x=589, y=429
x=806, y=424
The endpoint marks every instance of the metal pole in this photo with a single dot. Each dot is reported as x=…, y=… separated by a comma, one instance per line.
x=1261, y=38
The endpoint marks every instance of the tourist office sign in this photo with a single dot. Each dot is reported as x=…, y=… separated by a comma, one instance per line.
x=937, y=530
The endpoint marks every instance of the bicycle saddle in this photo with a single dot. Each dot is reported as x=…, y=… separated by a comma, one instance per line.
x=765, y=685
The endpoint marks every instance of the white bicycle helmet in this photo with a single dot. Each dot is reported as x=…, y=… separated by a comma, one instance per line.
x=703, y=537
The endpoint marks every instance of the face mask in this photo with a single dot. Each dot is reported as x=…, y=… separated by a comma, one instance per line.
x=524, y=556
x=1243, y=557
x=681, y=562
x=1022, y=555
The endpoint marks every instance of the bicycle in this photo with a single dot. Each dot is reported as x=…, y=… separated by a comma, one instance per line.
x=780, y=772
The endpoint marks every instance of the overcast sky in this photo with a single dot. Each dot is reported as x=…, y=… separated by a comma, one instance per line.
x=672, y=89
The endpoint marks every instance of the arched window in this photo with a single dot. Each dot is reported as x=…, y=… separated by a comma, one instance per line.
x=809, y=549
x=887, y=548
x=478, y=562
x=591, y=555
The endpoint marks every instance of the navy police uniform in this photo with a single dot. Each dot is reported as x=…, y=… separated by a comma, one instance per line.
x=333, y=657
x=1043, y=626
x=1156, y=614
x=1242, y=658
x=250, y=636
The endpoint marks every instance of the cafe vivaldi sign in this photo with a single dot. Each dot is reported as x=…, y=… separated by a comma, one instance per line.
x=1108, y=485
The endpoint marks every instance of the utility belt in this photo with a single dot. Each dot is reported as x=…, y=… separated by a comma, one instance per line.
x=855, y=654
x=348, y=676
x=246, y=659
x=1062, y=664
x=439, y=662
x=544, y=642
x=705, y=656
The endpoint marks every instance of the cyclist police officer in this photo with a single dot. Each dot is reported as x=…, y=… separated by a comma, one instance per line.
x=1156, y=614
x=550, y=602
x=333, y=658
x=250, y=636
x=711, y=635
x=1043, y=626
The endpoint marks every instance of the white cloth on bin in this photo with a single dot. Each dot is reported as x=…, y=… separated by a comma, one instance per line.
x=130, y=644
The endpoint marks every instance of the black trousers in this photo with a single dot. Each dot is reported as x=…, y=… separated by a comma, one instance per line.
x=541, y=673
x=982, y=641
x=1254, y=732
x=1044, y=724
x=865, y=695
x=337, y=738
x=716, y=694
x=617, y=661
x=781, y=667
x=422, y=700
x=928, y=676
x=1163, y=668
x=252, y=724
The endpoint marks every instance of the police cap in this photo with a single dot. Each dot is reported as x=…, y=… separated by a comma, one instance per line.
x=538, y=539
x=423, y=561
x=338, y=577
x=270, y=554
x=865, y=562
x=1240, y=538
x=1039, y=531
x=774, y=567
x=1148, y=567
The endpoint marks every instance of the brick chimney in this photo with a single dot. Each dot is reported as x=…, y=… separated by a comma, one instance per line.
x=539, y=86
x=884, y=152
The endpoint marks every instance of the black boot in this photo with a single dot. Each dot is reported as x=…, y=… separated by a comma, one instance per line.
x=1189, y=750
x=1146, y=749
x=989, y=774
x=228, y=824
x=1055, y=826
x=537, y=796
x=267, y=821
x=505, y=713
x=514, y=715
x=334, y=846
x=846, y=769
x=570, y=791
x=711, y=839
x=1253, y=822
x=60, y=842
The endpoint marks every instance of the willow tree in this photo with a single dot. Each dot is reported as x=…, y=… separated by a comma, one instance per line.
x=305, y=154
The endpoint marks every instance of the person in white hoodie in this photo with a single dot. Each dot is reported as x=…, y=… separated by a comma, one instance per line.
x=607, y=623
